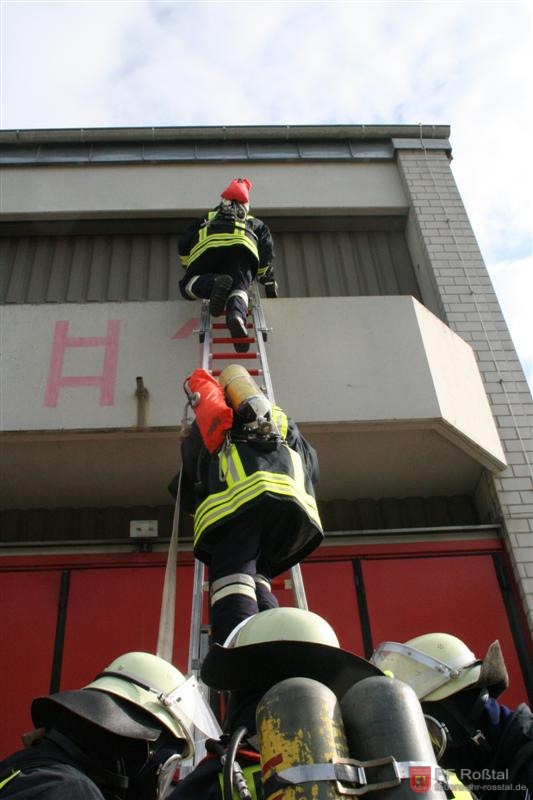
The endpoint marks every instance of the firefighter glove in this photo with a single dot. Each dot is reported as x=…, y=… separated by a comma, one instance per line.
x=271, y=288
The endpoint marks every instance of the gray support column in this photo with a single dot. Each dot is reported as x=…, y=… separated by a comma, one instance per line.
x=457, y=287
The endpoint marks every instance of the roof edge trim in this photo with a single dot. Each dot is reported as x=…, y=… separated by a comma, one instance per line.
x=221, y=132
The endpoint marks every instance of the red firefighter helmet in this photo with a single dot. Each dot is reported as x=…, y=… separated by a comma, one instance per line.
x=238, y=190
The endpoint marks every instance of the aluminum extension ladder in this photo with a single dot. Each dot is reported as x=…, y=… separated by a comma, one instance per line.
x=210, y=340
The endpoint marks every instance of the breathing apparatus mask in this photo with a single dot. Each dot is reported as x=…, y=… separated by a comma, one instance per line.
x=182, y=710
x=232, y=209
x=152, y=781
x=453, y=726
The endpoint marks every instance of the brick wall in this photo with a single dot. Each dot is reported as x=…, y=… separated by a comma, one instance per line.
x=449, y=262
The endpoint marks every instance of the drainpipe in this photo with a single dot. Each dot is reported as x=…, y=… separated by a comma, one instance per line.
x=141, y=394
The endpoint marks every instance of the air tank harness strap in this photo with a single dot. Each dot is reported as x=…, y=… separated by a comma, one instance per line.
x=349, y=770
x=230, y=469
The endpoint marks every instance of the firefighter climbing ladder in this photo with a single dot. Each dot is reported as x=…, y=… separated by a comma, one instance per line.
x=209, y=339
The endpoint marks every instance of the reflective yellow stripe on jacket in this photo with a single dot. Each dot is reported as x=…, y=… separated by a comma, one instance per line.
x=456, y=790
x=207, y=240
x=242, y=489
x=9, y=778
x=279, y=418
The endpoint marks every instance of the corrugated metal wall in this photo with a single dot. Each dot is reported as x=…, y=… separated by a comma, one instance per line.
x=106, y=524
x=137, y=267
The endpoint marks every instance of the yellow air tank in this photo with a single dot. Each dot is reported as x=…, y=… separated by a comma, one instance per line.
x=300, y=733
x=243, y=394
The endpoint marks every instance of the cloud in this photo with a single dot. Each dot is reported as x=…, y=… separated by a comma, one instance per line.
x=55, y=54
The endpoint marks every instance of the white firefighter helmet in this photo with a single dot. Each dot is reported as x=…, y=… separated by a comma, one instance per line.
x=439, y=665
x=283, y=624
x=283, y=643
x=158, y=697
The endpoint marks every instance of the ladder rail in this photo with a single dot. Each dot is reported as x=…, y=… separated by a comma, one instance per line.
x=196, y=618
x=261, y=331
x=167, y=617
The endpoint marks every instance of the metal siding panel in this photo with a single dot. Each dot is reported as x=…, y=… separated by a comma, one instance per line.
x=241, y=149
x=332, y=265
x=175, y=271
x=139, y=267
x=99, y=272
x=313, y=265
x=403, y=268
x=168, y=151
x=112, y=523
x=368, y=260
x=129, y=151
x=271, y=150
x=348, y=261
x=6, y=261
x=158, y=268
x=386, y=277
x=42, y=264
x=20, y=275
x=140, y=255
x=60, y=270
x=289, y=271
x=120, y=262
x=80, y=270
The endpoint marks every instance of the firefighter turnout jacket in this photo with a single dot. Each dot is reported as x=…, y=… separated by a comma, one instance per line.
x=246, y=474
x=207, y=236
x=46, y=772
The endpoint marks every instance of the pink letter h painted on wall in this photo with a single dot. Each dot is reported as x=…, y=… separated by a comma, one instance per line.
x=105, y=381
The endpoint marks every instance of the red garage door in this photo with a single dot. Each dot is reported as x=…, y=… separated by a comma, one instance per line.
x=457, y=594
x=114, y=611
x=64, y=618
x=28, y=610
x=61, y=626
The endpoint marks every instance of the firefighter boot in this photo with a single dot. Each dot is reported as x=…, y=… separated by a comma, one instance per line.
x=219, y=294
x=237, y=311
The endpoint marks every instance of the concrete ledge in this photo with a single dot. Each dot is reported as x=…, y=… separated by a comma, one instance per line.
x=391, y=398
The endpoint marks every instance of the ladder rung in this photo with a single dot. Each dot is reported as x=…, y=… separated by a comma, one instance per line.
x=216, y=372
x=230, y=356
x=232, y=339
x=219, y=325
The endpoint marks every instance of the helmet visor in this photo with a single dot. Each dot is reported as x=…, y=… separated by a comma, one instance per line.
x=190, y=708
x=421, y=672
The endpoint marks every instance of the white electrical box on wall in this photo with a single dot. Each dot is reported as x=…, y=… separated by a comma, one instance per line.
x=143, y=528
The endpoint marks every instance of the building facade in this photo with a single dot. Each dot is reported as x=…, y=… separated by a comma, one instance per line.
x=388, y=347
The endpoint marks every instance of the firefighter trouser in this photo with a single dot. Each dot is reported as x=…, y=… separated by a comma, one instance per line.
x=239, y=575
x=237, y=262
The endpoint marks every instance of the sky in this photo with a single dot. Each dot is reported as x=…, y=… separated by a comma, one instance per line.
x=463, y=63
